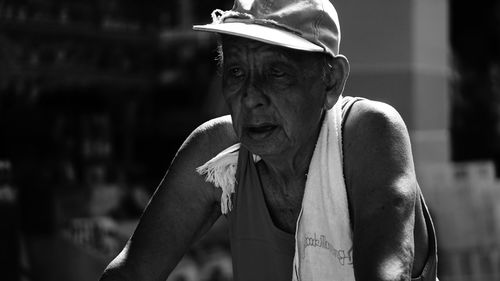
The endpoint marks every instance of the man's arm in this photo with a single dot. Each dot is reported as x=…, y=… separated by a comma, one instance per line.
x=381, y=185
x=182, y=209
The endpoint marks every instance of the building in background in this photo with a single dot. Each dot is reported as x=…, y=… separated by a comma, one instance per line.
x=437, y=63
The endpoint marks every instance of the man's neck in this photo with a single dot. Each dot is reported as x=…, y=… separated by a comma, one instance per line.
x=292, y=165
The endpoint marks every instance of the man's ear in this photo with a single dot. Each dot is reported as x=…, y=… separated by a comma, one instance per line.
x=335, y=79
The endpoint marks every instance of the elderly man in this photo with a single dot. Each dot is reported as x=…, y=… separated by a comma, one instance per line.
x=315, y=186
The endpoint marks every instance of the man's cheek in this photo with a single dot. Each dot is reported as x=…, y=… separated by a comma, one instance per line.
x=237, y=124
x=233, y=107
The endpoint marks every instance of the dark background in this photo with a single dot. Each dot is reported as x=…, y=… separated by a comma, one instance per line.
x=95, y=99
x=475, y=43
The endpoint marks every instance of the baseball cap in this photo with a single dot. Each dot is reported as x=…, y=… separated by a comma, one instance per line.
x=307, y=25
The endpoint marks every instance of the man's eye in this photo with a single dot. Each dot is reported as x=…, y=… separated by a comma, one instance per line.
x=277, y=73
x=236, y=72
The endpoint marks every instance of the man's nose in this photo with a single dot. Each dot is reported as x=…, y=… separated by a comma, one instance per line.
x=254, y=96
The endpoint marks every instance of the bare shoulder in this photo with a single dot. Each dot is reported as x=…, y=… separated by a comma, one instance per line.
x=370, y=116
x=213, y=135
x=218, y=127
x=377, y=149
x=206, y=141
x=374, y=128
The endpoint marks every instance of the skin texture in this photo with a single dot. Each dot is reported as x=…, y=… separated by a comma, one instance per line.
x=182, y=209
x=383, y=195
x=277, y=98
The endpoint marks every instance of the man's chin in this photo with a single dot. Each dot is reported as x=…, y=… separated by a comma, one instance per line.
x=263, y=149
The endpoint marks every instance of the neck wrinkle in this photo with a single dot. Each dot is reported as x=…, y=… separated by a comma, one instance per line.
x=296, y=165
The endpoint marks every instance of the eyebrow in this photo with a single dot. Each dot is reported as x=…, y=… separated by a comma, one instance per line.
x=267, y=50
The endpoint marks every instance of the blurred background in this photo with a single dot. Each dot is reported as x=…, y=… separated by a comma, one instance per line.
x=96, y=96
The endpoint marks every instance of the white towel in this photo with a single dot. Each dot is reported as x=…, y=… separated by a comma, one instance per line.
x=323, y=239
x=221, y=171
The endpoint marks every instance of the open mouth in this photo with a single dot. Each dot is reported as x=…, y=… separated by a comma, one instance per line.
x=261, y=131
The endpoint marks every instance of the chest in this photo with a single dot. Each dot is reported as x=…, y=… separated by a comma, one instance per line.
x=283, y=202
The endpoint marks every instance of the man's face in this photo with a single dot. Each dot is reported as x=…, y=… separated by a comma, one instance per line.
x=275, y=95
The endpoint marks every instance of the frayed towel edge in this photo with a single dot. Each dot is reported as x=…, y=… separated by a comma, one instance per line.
x=221, y=172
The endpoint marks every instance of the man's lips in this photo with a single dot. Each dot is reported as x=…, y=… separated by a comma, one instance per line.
x=261, y=131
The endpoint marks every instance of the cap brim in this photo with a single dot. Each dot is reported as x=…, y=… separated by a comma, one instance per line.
x=262, y=33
